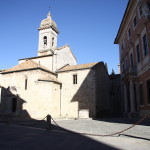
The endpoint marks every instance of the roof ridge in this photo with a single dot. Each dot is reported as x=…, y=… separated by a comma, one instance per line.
x=63, y=66
x=33, y=62
x=61, y=47
x=78, y=67
x=27, y=65
x=40, y=66
x=86, y=64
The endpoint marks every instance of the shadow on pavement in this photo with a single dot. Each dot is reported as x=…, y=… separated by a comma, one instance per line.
x=22, y=138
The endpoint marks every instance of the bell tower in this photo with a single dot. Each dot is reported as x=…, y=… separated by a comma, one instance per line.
x=47, y=36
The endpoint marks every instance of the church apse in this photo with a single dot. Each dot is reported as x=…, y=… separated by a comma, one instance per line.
x=12, y=104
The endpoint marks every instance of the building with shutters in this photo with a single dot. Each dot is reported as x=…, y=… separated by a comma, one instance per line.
x=133, y=38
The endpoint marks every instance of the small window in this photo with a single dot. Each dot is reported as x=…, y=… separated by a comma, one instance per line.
x=45, y=40
x=26, y=84
x=148, y=91
x=14, y=104
x=140, y=11
x=148, y=4
x=138, y=53
x=129, y=33
x=134, y=21
x=141, y=94
x=53, y=41
x=75, y=79
x=145, y=46
x=131, y=59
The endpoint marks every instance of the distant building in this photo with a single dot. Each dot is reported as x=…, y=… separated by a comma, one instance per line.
x=116, y=102
x=52, y=82
x=133, y=38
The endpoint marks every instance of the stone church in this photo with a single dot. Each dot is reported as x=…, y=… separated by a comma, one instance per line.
x=52, y=82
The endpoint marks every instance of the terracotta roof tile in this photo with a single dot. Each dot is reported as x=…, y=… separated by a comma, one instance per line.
x=78, y=67
x=26, y=65
x=48, y=78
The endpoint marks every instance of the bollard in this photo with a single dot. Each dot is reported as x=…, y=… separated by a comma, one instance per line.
x=48, y=121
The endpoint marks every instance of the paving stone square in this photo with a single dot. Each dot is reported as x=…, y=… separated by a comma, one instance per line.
x=17, y=137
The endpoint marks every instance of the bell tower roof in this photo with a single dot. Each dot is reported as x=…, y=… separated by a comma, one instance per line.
x=48, y=23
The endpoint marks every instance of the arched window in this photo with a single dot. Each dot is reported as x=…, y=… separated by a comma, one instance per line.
x=53, y=41
x=45, y=40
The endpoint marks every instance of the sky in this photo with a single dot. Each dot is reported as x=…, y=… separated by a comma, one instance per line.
x=89, y=27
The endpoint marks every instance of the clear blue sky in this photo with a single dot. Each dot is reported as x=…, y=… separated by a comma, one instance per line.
x=89, y=27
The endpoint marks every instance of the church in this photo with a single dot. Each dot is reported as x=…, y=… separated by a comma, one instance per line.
x=53, y=83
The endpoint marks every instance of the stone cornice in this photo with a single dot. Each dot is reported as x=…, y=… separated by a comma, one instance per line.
x=37, y=57
x=49, y=26
x=50, y=81
x=123, y=20
x=60, y=71
x=29, y=70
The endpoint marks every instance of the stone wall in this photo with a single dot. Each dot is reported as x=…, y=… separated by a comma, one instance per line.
x=62, y=57
x=80, y=96
x=102, y=91
x=116, y=100
x=49, y=33
x=37, y=100
x=44, y=61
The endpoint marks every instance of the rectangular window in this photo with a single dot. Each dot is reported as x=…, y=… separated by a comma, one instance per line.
x=140, y=11
x=26, y=84
x=141, y=94
x=75, y=79
x=148, y=91
x=138, y=53
x=145, y=46
x=131, y=59
x=134, y=21
x=148, y=4
x=129, y=33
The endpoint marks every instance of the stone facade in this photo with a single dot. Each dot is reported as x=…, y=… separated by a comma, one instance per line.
x=134, y=47
x=52, y=83
x=116, y=100
x=61, y=56
x=81, y=95
x=35, y=102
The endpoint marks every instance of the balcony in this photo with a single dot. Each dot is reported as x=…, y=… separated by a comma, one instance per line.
x=130, y=71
